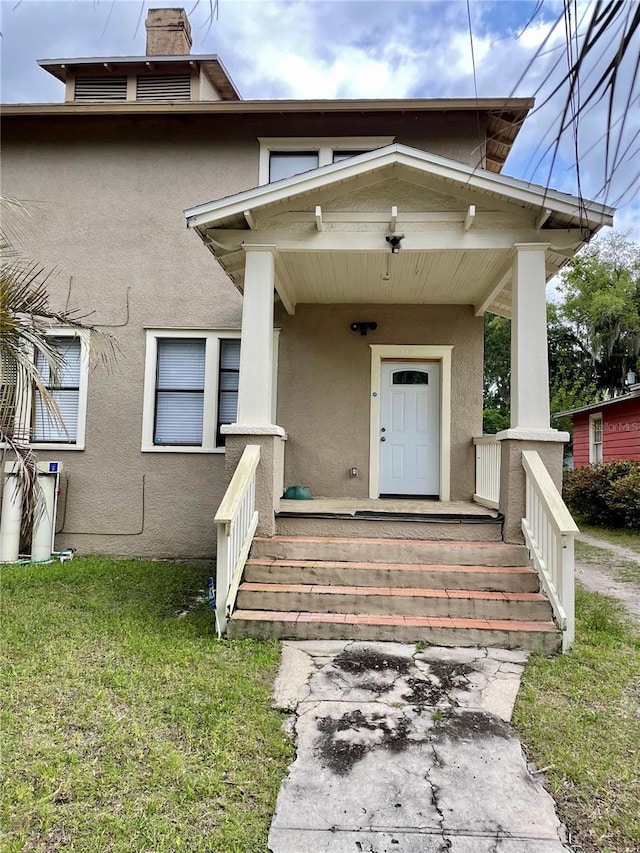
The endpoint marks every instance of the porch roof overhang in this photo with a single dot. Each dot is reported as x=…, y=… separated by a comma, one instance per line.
x=460, y=226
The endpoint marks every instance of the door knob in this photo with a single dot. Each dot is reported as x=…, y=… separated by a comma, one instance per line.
x=383, y=438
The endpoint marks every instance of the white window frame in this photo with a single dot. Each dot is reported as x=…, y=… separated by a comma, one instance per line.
x=593, y=419
x=324, y=145
x=83, y=393
x=211, y=376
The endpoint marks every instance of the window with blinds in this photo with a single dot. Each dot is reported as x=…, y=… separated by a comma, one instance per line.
x=285, y=164
x=180, y=383
x=228, y=384
x=190, y=389
x=62, y=426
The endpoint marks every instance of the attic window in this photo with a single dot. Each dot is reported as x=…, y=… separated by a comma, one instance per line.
x=100, y=89
x=284, y=157
x=159, y=87
x=285, y=164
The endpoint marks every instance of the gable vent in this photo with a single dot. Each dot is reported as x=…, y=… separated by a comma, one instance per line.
x=101, y=89
x=174, y=87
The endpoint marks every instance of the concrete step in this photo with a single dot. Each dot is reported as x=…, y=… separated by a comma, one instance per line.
x=452, y=603
x=386, y=550
x=519, y=579
x=390, y=526
x=442, y=631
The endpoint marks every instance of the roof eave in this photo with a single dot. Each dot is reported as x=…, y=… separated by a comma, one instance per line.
x=629, y=395
x=276, y=106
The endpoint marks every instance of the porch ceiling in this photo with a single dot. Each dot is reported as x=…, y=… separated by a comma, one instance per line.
x=409, y=277
x=329, y=228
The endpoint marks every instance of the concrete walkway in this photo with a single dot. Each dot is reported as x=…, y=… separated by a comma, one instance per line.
x=401, y=750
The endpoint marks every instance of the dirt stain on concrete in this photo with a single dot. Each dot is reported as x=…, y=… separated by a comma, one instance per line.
x=346, y=740
x=470, y=725
x=375, y=671
x=435, y=686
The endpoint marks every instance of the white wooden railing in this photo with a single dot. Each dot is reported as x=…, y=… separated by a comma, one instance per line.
x=487, y=471
x=549, y=531
x=237, y=519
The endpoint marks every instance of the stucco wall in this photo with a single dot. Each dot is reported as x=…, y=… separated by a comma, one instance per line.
x=324, y=389
x=108, y=217
x=105, y=210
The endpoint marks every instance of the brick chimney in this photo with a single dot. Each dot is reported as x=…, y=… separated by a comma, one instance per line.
x=168, y=32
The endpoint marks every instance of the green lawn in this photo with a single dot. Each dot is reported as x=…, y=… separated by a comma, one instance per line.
x=126, y=727
x=624, y=571
x=628, y=538
x=579, y=716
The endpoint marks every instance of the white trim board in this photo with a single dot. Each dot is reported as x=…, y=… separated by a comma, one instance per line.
x=381, y=352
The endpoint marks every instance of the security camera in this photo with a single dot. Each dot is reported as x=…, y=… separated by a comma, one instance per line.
x=394, y=242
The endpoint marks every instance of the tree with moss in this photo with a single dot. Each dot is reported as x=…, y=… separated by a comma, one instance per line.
x=601, y=308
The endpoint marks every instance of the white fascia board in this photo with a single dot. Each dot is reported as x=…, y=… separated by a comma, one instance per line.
x=440, y=167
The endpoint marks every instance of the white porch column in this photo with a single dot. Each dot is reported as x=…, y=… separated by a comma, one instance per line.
x=530, y=421
x=529, y=358
x=255, y=388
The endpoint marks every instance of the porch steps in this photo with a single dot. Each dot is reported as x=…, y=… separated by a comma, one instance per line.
x=391, y=525
x=449, y=603
x=392, y=575
x=507, y=634
x=447, y=593
x=387, y=550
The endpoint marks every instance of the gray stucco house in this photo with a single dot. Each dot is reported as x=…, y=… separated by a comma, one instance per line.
x=318, y=322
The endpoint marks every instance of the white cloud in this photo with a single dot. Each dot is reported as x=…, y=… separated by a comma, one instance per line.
x=346, y=49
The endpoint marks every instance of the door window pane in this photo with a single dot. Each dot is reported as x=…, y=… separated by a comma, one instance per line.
x=410, y=377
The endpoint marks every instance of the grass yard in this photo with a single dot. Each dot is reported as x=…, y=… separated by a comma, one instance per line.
x=628, y=538
x=624, y=571
x=126, y=727
x=579, y=717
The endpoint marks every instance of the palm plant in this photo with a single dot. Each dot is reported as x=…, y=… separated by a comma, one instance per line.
x=26, y=318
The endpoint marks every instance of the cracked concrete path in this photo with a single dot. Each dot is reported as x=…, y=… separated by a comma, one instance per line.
x=402, y=750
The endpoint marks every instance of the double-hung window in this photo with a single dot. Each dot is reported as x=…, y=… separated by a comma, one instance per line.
x=595, y=439
x=284, y=157
x=191, y=389
x=64, y=425
x=179, y=408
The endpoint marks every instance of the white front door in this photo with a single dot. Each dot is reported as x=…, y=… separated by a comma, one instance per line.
x=409, y=428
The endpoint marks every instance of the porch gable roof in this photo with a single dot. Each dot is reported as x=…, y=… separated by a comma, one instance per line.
x=459, y=227
x=594, y=215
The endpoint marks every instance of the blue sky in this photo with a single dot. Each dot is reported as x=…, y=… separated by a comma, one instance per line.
x=353, y=48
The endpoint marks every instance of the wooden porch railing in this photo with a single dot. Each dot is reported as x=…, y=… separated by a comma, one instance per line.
x=549, y=531
x=487, y=471
x=237, y=519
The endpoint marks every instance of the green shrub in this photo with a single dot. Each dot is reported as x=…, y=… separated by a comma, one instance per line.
x=625, y=498
x=607, y=495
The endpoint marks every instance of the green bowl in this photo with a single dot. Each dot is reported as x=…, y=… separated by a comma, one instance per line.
x=298, y=493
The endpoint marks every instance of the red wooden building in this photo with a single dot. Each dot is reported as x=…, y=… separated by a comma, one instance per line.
x=607, y=432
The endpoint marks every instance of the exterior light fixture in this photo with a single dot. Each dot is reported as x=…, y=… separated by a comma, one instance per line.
x=631, y=378
x=394, y=242
x=364, y=327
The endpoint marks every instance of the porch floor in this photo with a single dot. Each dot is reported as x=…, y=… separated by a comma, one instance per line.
x=371, y=508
